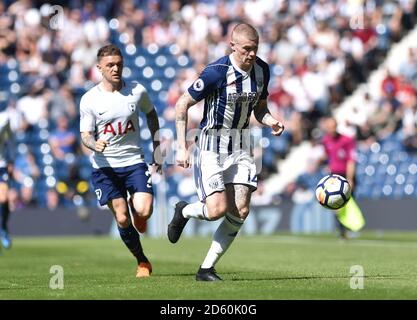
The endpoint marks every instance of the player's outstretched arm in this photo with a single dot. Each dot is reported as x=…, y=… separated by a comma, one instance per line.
x=153, y=125
x=88, y=140
x=263, y=116
x=181, y=118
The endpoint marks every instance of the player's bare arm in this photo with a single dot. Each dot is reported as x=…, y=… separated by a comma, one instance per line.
x=263, y=116
x=88, y=140
x=153, y=125
x=181, y=118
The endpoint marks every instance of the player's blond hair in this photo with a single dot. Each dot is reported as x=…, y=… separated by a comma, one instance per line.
x=245, y=29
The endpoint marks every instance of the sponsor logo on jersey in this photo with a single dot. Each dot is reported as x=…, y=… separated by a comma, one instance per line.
x=118, y=128
x=242, y=97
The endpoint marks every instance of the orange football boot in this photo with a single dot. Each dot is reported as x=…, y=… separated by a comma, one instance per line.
x=144, y=270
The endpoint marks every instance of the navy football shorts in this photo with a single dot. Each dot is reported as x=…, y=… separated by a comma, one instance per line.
x=113, y=183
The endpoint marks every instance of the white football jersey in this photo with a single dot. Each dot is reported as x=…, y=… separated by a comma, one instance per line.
x=114, y=117
x=5, y=136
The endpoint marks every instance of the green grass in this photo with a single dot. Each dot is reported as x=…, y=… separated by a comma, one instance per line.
x=256, y=267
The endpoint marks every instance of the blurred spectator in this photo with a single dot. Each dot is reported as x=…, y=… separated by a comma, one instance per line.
x=62, y=103
x=34, y=105
x=317, y=58
x=408, y=68
x=409, y=122
x=72, y=190
x=384, y=121
x=52, y=199
x=62, y=139
x=26, y=173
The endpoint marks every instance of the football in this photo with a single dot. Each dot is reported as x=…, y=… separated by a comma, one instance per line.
x=333, y=191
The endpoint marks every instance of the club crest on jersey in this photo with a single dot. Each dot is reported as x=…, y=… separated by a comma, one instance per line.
x=198, y=85
x=132, y=106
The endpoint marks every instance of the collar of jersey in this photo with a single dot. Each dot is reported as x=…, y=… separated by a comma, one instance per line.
x=102, y=90
x=234, y=64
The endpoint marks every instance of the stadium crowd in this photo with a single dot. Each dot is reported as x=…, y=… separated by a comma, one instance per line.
x=319, y=51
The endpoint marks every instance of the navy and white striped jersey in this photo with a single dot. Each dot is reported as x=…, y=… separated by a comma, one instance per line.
x=230, y=95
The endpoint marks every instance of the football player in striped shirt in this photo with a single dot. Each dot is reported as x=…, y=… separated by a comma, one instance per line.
x=224, y=169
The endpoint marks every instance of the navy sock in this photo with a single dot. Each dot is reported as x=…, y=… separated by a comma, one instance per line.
x=4, y=215
x=131, y=239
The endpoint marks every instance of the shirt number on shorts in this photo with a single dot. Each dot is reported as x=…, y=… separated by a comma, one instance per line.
x=149, y=182
x=98, y=193
x=253, y=179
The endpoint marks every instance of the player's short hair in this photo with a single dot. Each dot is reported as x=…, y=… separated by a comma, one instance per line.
x=108, y=50
x=245, y=29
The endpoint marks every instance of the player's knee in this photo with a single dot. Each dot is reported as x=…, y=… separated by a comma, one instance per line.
x=216, y=211
x=144, y=210
x=123, y=221
x=243, y=212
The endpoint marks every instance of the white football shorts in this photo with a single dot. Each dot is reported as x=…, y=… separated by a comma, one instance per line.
x=212, y=171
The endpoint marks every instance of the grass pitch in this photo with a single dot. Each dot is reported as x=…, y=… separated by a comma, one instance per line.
x=256, y=267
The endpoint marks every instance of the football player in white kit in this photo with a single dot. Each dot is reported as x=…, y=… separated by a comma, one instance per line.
x=6, y=167
x=109, y=125
x=224, y=171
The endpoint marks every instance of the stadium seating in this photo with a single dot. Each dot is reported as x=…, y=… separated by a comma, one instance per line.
x=385, y=170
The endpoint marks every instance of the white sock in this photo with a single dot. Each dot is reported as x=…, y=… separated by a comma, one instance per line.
x=222, y=239
x=196, y=210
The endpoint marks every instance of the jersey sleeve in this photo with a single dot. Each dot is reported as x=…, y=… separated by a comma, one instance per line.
x=207, y=82
x=145, y=103
x=87, y=118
